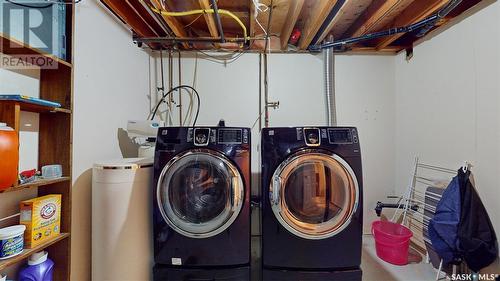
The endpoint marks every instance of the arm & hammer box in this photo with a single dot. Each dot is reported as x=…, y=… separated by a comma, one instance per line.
x=42, y=218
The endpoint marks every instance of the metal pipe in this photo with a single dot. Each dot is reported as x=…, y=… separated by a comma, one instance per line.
x=217, y=21
x=425, y=23
x=260, y=92
x=268, y=29
x=171, y=85
x=329, y=70
x=180, y=94
x=440, y=15
x=266, y=93
x=189, y=39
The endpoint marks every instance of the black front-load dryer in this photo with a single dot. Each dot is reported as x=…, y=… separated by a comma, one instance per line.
x=312, y=203
x=201, y=216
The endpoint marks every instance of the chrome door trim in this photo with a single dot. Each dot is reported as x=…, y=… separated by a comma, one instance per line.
x=280, y=209
x=223, y=220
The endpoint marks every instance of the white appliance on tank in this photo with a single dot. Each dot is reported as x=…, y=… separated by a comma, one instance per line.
x=121, y=220
x=144, y=132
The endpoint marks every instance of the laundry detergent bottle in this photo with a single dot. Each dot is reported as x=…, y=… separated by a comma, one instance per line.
x=9, y=155
x=40, y=268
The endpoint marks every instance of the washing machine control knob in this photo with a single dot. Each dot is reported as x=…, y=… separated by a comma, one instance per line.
x=312, y=136
x=201, y=136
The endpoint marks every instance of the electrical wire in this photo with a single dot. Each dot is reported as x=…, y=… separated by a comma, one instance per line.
x=219, y=60
x=258, y=7
x=171, y=92
x=202, y=11
x=197, y=18
x=190, y=107
x=50, y=3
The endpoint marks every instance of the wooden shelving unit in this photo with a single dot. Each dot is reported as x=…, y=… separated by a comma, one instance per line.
x=28, y=252
x=54, y=144
x=37, y=183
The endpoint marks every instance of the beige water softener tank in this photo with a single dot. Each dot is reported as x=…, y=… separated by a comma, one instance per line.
x=122, y=247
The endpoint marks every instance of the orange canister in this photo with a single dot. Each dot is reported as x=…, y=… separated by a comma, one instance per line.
x=9, y=156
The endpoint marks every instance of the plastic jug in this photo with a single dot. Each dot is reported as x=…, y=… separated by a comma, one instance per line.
x=9, y=153
x=40, y=268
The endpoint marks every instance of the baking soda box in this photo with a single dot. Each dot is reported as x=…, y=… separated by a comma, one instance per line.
x=42, y=218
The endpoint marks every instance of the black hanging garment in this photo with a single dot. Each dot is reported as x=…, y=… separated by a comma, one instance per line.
x=477, y=241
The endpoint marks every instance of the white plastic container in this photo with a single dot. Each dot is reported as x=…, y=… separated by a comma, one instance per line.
x=51, y=171
x=11, y=241
x=3, y=277
x=122, y=239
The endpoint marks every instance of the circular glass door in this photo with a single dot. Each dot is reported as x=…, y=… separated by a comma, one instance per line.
x=314, y=194
x=200, y=193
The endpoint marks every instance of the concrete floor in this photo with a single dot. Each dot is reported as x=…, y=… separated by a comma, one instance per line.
x=375, y=269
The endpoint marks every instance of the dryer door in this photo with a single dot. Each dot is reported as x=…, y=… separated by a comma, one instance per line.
x=314, y=195
x=200, y=193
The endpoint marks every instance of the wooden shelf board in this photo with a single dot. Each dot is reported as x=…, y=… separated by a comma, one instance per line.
x=13, y=47
x=37, y=183
x=28, y=252
x=31, y=107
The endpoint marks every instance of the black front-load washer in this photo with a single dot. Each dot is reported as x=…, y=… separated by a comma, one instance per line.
x=201, y=216
x=312, y=203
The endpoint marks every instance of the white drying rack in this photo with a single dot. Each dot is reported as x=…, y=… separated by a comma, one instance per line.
x=417, y=219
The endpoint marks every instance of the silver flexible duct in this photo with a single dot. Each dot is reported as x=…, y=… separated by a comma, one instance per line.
x=329, y=64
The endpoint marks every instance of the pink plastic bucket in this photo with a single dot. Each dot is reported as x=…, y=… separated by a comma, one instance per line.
x=392, y=241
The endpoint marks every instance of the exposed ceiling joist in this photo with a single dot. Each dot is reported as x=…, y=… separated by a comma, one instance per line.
x=172, y=22
x=293, y=14
x=341, y=18
x=209, y=18
x=340, y=14
x=128, y=15
x=252, y=19
x=417, y=11
x=318, y=15
x=373, y=14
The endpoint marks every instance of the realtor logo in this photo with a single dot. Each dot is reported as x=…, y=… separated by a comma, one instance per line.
x=32, y=23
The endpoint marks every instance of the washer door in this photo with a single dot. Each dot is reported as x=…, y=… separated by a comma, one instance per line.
x=314, y=194
x=200, y=193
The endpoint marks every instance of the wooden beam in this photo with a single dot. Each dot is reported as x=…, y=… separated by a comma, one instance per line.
x=318, y=15
x=128, y=15
x=334, y=21
x=174, y=24
x=370, y=17
x=209, y=18
x=293, y=14
x=417, y=11
x=141, y=11
x=252, y=20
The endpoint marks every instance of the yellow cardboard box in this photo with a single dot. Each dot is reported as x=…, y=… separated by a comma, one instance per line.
x=42, y=217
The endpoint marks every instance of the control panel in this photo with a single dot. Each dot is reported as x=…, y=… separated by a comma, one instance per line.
x=342, y=136
x=205, y=136
x=315, y=136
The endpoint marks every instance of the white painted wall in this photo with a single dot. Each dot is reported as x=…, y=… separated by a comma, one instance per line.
x=365, y=99
x=110, y=87
x=24, y=82
x=448, y=104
